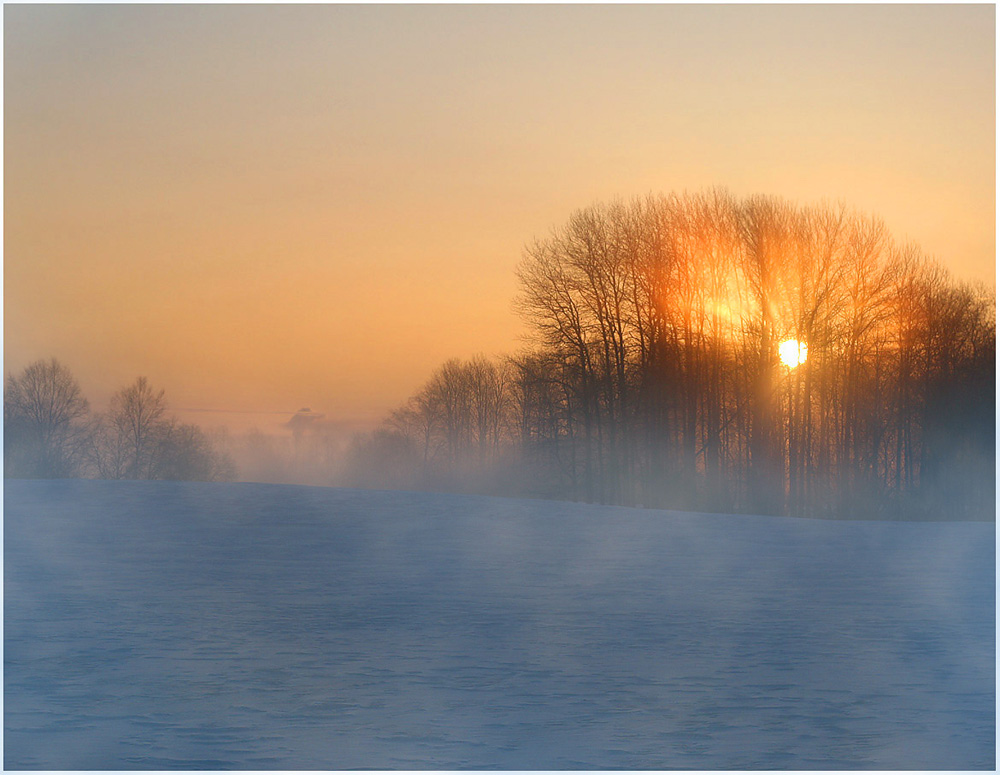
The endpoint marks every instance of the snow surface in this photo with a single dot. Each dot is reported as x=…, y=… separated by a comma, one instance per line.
x=199, y=626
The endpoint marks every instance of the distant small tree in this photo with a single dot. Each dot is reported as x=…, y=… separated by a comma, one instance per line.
x=184, y=452
x=45, y=427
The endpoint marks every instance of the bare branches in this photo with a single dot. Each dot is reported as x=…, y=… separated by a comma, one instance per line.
x=655, y=375
x=49, y=433
x=44, y=422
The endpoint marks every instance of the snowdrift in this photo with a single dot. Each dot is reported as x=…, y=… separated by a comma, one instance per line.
x=156, y=625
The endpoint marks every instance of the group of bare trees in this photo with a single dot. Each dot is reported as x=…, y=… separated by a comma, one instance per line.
x=453, y=434
x=655, y=375
x=49, y=432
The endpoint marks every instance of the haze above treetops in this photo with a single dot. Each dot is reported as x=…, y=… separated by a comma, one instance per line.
x=262, y=208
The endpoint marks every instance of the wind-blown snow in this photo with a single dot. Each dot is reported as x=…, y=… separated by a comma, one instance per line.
x=163, y=625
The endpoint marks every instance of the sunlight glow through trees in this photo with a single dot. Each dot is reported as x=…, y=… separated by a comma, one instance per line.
x=711, y=352
x=792, y=352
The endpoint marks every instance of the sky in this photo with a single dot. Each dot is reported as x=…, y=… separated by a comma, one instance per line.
x=262, y=208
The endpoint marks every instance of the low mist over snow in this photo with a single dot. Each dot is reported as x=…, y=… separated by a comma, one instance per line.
x=180, y=625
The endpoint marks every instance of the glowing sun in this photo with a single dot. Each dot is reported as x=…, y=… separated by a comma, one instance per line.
x=792, y=352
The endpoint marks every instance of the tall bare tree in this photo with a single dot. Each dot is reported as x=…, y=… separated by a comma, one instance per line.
x=136, y=415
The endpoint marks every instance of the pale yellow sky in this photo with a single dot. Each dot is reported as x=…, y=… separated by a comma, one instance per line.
x=268, y=207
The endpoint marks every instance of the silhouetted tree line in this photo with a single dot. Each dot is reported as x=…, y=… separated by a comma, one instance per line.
x=50, y=432
x=655, y=377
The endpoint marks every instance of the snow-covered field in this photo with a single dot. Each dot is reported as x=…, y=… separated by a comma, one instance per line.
x=180, y=625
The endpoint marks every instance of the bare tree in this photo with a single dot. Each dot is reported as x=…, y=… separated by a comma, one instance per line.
x=107, y=450
x=184, y=452
x=136, y=416
x=44, y=422
x=135, y=440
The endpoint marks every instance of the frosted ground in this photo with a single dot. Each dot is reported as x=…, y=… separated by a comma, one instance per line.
x=199, y=626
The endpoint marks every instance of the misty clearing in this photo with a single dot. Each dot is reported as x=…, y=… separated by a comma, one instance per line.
x=517, y=386
x=205, y=625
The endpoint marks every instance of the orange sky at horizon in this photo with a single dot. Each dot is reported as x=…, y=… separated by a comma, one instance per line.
x=262, y=208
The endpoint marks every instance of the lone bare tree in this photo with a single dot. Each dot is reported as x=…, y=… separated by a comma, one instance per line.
x=44, y=422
